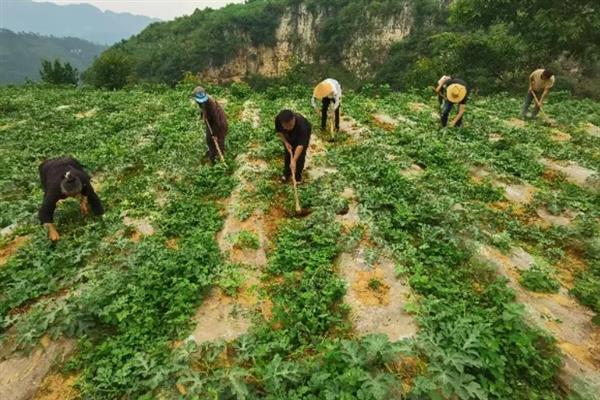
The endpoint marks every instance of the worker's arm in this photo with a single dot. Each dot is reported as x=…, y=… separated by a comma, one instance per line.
x=337, y=98
x=46, y=215
x=297, y=152
x=295, y=157
x=461, y=112
x=439, y=88
x=285, y=142
x=92, y=199
x=544, y=94
x=531, y=84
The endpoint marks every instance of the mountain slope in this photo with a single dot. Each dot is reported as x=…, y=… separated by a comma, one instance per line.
x=269, y=37
x=21, y=54
x=77, y=20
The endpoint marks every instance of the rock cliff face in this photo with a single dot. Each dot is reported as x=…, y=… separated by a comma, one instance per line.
x=297, y=40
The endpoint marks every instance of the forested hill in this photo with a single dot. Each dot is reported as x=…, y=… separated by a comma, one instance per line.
x=22, y=53
x=73, y=20
x=400, y=42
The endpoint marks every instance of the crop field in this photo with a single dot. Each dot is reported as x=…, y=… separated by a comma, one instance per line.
x=433, y=263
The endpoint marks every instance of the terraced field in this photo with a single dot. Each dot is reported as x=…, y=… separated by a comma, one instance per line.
x=434, y=263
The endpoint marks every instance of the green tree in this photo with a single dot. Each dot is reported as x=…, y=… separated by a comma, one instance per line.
x=57, y=73
x=112, y=70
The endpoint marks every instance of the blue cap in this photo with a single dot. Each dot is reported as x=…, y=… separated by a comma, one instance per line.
x=201, y=97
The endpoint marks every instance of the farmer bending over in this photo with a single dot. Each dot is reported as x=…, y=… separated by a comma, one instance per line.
x=215, y=121
x=61, y=178
x=294, y=131
x=454, y=92
x=439, y=90
x=327, y=91
x=540, y=83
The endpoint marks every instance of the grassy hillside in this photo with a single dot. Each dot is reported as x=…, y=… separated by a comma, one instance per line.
x=21, y=54
x=396, y=203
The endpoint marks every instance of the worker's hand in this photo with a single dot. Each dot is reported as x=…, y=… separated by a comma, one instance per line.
x=453, y=124
x=52, y=232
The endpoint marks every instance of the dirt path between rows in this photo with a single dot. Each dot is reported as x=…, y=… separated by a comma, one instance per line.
x=11, y=248
x=21, y=374
x=560, y=314
x=227, y=317
x=376, y=296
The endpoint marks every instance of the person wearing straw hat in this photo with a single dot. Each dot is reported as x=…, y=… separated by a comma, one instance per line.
x=455, y=91
x=215, y=121
x=540, y=83
x=327, y=91
x=61, y=178
x=294, y=131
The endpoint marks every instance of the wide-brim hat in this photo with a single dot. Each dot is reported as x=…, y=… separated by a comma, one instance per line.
x=323, y=89
x=456, y=93
x=199, y=95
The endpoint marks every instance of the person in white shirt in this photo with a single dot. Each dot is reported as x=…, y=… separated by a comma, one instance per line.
x=540, y=83
x=328, y=91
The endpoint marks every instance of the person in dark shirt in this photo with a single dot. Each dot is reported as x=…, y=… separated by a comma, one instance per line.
x=215, y=120
x=454, y=91
x=294, y=131
x=61, y=178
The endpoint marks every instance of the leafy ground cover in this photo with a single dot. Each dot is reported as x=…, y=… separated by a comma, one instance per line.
x=127, y=286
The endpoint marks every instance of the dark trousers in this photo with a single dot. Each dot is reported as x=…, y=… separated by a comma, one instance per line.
x=446, y=109
x=213, y=153
x=527, y=103
x=326, y=102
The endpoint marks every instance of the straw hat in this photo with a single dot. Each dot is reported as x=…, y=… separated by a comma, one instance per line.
x=323, y=89
x=456, y=93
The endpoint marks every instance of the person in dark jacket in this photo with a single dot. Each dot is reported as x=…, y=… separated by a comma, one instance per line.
x=215, y=120
x=61, y=178
x=294, y=131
